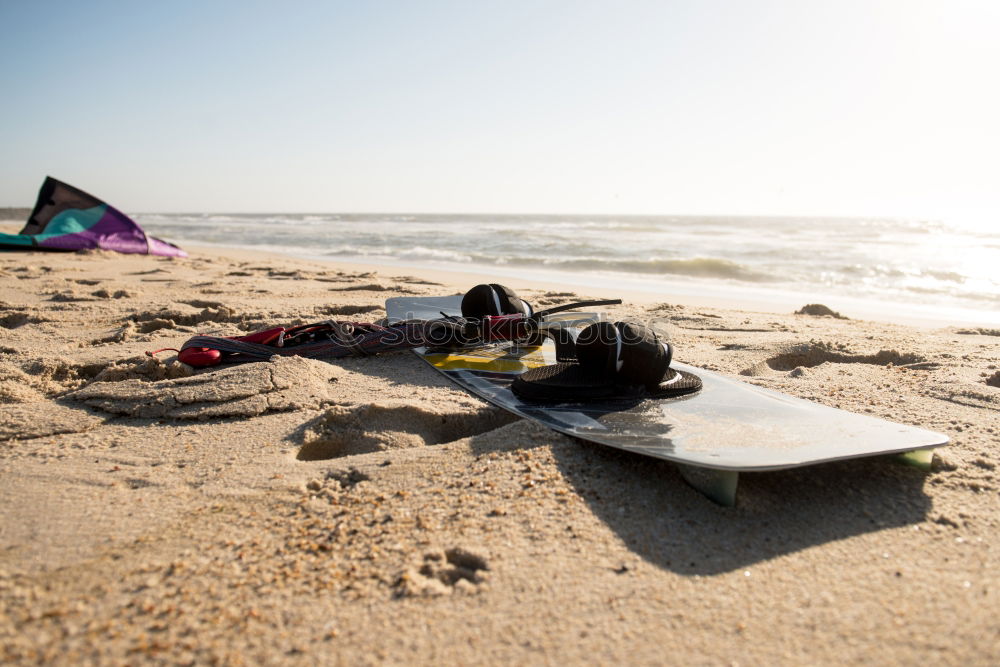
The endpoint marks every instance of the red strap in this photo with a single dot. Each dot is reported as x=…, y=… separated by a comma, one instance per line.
x=199, y=356
x=262, y=337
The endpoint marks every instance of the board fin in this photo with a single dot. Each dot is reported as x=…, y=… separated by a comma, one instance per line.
x=918, y=458
x=719, y=486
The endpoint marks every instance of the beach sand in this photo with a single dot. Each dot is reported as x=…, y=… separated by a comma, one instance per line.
x=366, y=511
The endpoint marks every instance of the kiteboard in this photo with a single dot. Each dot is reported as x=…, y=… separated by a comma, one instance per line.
x=727, y=428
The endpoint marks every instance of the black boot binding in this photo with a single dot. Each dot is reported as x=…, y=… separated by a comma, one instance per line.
x=613, y=361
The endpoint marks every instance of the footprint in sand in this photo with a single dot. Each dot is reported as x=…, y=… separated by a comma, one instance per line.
x=40, y=419
x=185, y=315
x=341, y=277
x=70, y=296
x=413, y=280
x=372, y=427
x=370, y=287
x=117, y=294
x=143, y=368
x=978, y=332
x=12, y=318
x=29, y=380
x=810, y=355
x=457, y=569
x=283, y=384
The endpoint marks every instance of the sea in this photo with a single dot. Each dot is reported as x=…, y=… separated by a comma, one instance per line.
x=912, y=271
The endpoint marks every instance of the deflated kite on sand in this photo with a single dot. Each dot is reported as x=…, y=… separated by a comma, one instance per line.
x=67, y=218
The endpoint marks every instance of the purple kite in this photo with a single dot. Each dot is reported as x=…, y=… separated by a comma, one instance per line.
x=66, y=218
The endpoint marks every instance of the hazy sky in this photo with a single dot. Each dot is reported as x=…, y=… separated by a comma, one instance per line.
x=833, y=107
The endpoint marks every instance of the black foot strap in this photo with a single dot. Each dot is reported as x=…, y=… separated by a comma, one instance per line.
x=571, y=382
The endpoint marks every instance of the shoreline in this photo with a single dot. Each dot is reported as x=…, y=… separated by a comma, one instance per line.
x=689, y=293
x=366, y=511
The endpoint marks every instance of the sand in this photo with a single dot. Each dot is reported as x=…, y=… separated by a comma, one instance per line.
x=365, y=511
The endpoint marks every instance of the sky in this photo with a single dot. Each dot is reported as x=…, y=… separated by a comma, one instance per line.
x=756, y=107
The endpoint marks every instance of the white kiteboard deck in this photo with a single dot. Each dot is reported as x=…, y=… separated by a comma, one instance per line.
x=726, y=428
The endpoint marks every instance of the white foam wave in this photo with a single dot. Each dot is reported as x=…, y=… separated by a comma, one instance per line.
x=877, y=258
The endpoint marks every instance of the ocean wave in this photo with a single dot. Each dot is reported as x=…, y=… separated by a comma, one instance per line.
x=412, y=254
x=946, y=276
x=871, y=271
x=695, y=267
x=433, y=254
